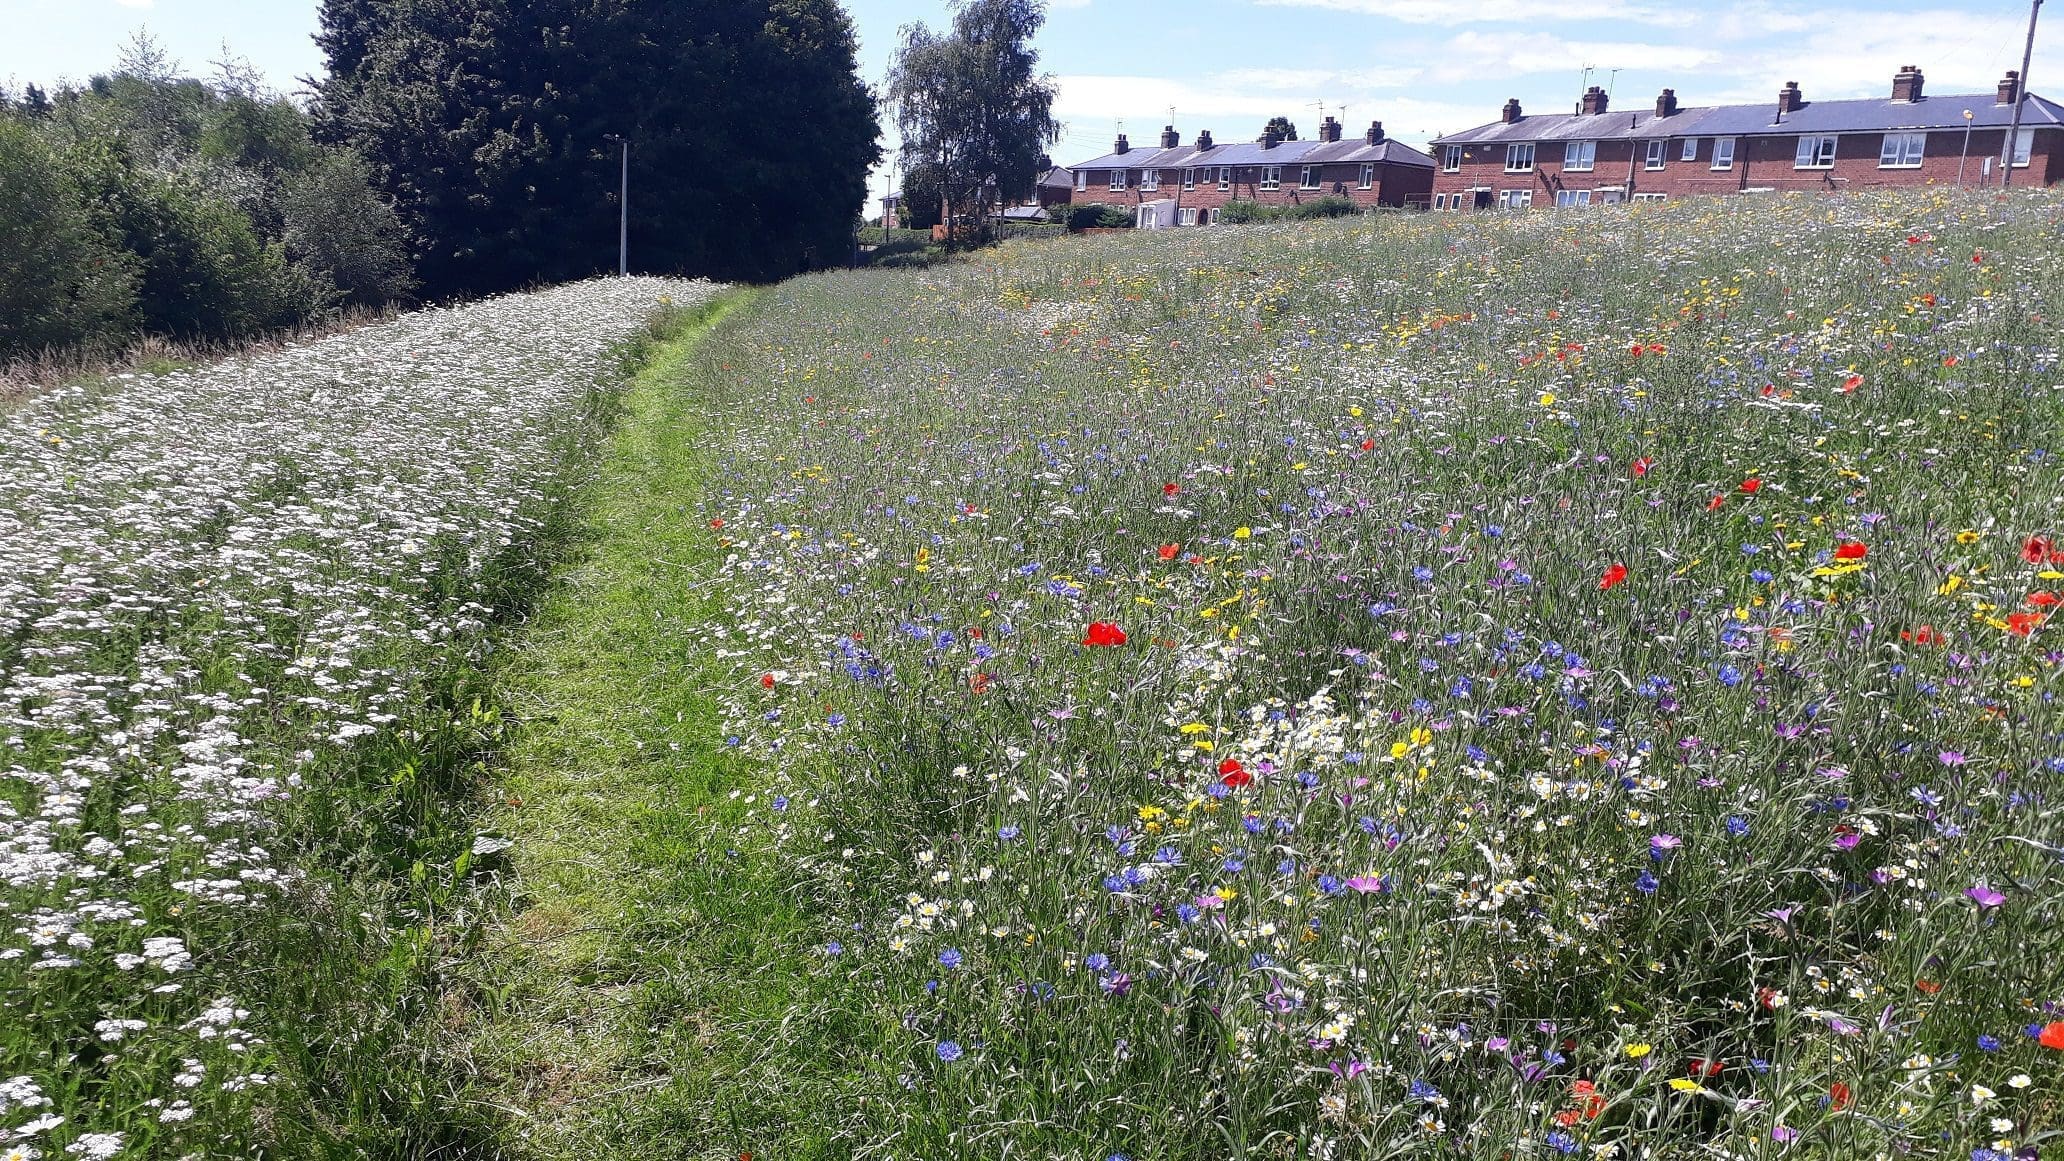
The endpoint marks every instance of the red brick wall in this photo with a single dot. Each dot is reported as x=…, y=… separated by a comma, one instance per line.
x=1394, y=185
x=1759, y=162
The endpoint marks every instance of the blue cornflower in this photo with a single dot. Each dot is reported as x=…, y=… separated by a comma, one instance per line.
x=780, y=803
x=1730, y=676
x=1987, y=1043
x=1762, y=576
x=949, y=1051
x=1097, y=961
x=1187, y=913
x=834, y=948
x=1646, y=883
x=1423, y=1091
x=1422, y=573
x=835, y=720
x=1561, y=1142
x=1008, y=833
x=950, y=958
x=1738, y=826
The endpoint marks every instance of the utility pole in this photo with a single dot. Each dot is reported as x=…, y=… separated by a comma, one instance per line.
x=623, y=205
x=2020, y=98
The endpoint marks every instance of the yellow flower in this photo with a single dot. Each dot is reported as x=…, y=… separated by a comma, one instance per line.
x=1547, y=399
x=1637, y=1051
x=1683, y=1085
x=1242, y=532
x=1968, y=536
x=1950, y=586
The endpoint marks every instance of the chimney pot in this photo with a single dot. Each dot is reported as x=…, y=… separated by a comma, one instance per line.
x=1329, y=130
x=1906, y=84
x=1595, y=101
x=1790, y=99
x=2010, y=87
x=1169, y=137
x=1511, y=113
x=1666, y=103
x=1375, y=134
x=1204, y=139
x=1123, y=146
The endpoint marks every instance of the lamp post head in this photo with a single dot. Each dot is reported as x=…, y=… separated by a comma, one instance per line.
x=1967, y=114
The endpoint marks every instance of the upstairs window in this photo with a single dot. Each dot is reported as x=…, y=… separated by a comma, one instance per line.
x=1690, y=149
x=1580, y=156
x=1309, y=179
x=1189, y=179
x=1117, y=179
x=1815, y=153
x=1225, y=178
x=1272, y=177
x=1519, y=158
x=1081, y=180
x=1658, y=153
x=1902, y=150
x=1723, y=153
x=1451, y=158
x=1150, y=179
x=1368, y=177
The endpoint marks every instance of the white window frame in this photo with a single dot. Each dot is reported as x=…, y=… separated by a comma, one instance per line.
x=1440, y=201
x=1149, y=180
x=1651, y=197
x=1690, y=149
x=1519, y=157
x=1816, y=151
x=1902, y=150
x=1368, y=176
x=1516, y=199
x=1451, y=158
x=1225, y=178
x=1117, y=180
x=1658, y=153
x=1081, y=181
x=1189, y=216
x=1723, y=153
x=1271, y=177
x=1571, y=199
x=1308, y=178
x=1580, y=156
x=2024, y=147
x=1189, y=178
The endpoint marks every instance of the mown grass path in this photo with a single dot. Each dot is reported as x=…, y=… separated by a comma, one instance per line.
x=646, y=956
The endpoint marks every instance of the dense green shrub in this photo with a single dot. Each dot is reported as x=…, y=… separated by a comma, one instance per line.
x=61, y=284
x=1098, y=217
x=1330, y=206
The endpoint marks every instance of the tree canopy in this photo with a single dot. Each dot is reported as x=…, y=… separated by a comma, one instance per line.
x=975, y=112
x=751, y=134
x=1283, y=127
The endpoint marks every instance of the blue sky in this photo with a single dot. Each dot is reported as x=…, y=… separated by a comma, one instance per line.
x=1421, y=66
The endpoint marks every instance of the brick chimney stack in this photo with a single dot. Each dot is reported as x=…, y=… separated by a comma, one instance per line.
x=1375, y=134
x=1123, y=146
x=1594, y=101
x=1666, y=103
x=1510, y=114
x=1204, y=139
x=1270, y=139
x=1329, y=130
x=1790, y=99
x=1169, y=137
x=1906, y=84
x=2010, y=87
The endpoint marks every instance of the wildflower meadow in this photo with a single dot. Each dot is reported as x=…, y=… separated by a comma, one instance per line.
x=244, y=614
x=1421, y=685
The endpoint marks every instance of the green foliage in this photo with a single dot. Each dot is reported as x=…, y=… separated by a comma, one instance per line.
x=337, y=225
x=486, y=123
x=974, y=111
x=1330, y=206
x=922, y=194
x=1283, y=127
x=61, y=284
x=1095, y=216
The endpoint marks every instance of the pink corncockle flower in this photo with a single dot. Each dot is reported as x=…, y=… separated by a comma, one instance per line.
x=1366, y=884
x=1985, y=897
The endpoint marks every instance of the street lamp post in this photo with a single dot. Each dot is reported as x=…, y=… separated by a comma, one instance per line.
x=623, y=205
x=1967, y=149
x=2020, y=99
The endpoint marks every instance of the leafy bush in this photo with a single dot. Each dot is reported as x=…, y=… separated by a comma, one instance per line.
x=1098, y=217
x=1330, y=206
x=61, y=285
x=336, y=226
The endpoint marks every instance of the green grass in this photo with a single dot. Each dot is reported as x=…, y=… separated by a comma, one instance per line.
x=620, y=1008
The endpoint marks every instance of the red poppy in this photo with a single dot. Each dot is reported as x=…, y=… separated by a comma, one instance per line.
x=1170, y=489
x=1168, y=551
x=1851, y=383
x=1368, y=445
x=2043, y=600
x=1927, y=987
x=1851, y=550
x=2022, y=624
x=1642, y=465
x=1752, y=485
x=2037, y=549
x=717, y=523
x=1921, y=635
x=1838, y=1096
x=980, y=682
x=1635, y=350
x=1103, y=633
x=1767, y=997
x=1233, y=774
x=1713, y=505
x=766, y=681
x=1702, y=1067
x=2052, y=1035
x=1978, y=259
x=1913, y=239
x=1613, y=576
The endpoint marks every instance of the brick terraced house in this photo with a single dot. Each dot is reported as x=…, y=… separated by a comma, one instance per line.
x=1186, y=185
x=1596, y=156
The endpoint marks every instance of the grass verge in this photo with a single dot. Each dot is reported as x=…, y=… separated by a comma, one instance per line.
x=620, y=1007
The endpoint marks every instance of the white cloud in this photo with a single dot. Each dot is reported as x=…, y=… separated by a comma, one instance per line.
x=1527, y=12
x=137, y=3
